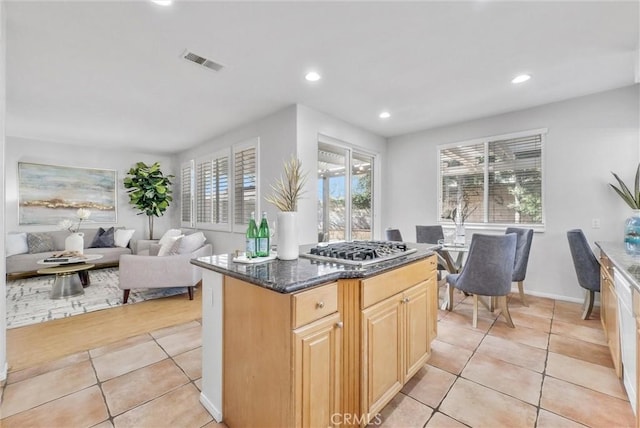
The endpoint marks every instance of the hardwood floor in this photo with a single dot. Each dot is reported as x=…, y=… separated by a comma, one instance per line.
x=35, y=344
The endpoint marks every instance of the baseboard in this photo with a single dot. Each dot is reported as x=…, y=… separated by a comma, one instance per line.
x=551, y=296
x=217, y=414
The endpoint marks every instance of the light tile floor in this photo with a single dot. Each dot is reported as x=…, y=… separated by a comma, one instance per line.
x=552, y=370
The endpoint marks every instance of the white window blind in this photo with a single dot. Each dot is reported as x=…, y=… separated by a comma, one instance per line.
x=495, y=180
x=186, y=194
x=245, y=187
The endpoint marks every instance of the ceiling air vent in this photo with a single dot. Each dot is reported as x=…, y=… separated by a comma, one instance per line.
x=197, y=59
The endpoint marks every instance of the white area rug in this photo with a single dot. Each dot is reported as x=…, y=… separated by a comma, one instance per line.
x=28, y=299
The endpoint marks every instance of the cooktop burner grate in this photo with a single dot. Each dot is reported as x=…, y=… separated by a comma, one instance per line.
x=358, y=252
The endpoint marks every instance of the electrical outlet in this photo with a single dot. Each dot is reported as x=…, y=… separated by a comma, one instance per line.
x=595, y=223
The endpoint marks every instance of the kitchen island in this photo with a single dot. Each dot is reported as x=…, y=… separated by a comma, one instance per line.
x=307, y=343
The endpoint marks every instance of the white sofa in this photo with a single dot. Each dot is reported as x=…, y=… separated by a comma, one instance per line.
x=25, y=264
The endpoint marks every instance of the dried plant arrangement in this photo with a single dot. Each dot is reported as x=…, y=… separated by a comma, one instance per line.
x=287, y=190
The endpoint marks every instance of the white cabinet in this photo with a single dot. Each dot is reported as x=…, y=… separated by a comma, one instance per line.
x=627, y=335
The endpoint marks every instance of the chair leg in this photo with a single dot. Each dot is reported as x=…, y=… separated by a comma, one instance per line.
x=125, y=297
x=521, y=289
x=588, y=304
x=475, y=311
x=190, y=291
x=504, y=306
x=450, y=293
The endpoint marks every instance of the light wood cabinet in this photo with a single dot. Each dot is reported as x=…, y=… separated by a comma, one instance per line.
x=317, y=372
x=282, y=356
x=332, y=355
x=609, y=313
x=396, y=338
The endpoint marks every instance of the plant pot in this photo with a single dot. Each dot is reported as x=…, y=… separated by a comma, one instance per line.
x=75, y=242
x=287, y=232
x=632, y=234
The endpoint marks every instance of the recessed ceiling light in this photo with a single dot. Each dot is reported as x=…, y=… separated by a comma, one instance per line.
x=162, y=2
x=384, y=115
x=521, y=78
x=312, y=76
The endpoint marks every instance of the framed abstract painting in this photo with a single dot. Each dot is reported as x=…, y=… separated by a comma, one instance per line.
x=51, y=193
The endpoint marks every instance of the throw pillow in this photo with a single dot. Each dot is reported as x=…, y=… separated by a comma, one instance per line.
x=121, y=237
x=40, y=243
x=103, y=238
x=170, y=247
x=171, y=233
x=16, y=244
x=192, y=242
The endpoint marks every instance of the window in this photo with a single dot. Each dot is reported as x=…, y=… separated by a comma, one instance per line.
x=209, y=196
x=245, y=167
x=345, y=191
x=212, y=191
x=495, y=181
x=187, y=197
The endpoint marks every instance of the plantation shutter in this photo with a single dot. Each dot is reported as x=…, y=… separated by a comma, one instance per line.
x=245, y=178
x=186, y=194
x=204, y=195
x=220, y=184
x=515, y=180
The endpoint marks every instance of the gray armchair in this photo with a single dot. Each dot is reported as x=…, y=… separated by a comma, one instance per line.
x=487, y=272
x=523, y=248
x=586, y=266
x=142, y=271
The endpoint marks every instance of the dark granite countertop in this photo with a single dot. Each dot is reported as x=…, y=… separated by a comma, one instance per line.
x=627, y=264
x=288, y=276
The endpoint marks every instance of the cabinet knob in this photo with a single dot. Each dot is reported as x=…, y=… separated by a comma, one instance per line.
x=320, y=305
x=339, y=324
x=405, y=300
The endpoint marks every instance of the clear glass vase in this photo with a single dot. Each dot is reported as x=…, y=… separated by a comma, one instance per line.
x=632, y=234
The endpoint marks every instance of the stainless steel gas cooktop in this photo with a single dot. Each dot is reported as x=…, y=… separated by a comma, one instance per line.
x=358, y=253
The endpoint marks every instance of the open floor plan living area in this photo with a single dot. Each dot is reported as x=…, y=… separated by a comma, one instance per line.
x=274, y=214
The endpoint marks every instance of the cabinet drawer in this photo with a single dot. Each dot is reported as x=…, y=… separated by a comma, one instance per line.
x=387, y=284
x=314, y=304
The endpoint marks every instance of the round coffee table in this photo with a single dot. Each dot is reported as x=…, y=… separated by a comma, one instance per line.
x=66, y=284
x=67, y=261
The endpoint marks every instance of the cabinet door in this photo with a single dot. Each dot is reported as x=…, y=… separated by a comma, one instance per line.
x=432, y=297
x=416, y=313
x=382, y=344
x=317, y=372
x=613, y=328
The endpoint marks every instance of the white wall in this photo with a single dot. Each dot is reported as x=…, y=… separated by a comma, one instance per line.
x=26, y=150
x=3, y=284
x=588, y=137
x=277, y=143
x=311, y=123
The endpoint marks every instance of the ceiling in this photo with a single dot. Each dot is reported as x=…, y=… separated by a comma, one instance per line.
x=110, y=73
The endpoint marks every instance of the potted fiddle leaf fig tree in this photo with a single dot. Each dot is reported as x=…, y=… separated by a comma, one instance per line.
x=149, y=191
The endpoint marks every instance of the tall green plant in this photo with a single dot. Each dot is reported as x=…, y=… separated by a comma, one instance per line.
x=149, y=191
x=631, y=198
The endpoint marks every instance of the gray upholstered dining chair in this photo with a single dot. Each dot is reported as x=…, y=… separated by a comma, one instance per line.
x=523, y=248
x=393, y=235
x=432, y=235
x=586, y=266
x=487, y=272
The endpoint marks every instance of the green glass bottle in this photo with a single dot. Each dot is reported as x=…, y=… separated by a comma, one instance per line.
x=252, y=236
x=263, y=237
